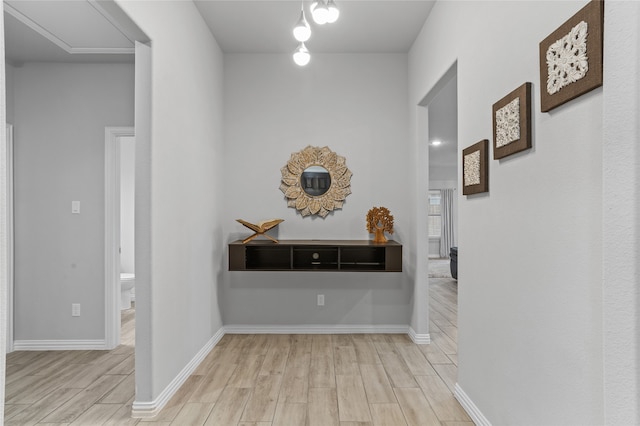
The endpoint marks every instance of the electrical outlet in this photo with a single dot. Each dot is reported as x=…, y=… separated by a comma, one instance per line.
x=321, y=300
x=75, y=309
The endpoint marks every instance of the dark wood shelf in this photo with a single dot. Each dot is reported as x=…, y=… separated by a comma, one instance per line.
x=315, y=255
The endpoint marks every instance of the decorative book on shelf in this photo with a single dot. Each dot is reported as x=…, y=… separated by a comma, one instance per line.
x=260, y=228
x=316, y=255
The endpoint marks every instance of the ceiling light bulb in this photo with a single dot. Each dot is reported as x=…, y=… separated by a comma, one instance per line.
x=301, y=55
x=302, y=31
x=436, y=143
x=334, y=12
x=320, y=13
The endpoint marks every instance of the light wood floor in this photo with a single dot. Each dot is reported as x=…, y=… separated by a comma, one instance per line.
x=258, y=380
x=72, y=387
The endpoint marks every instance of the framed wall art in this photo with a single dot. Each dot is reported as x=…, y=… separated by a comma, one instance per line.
x=571, y=57
x=512, y=122
x=475, y=168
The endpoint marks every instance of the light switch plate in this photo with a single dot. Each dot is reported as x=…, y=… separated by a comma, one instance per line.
x=75, y=207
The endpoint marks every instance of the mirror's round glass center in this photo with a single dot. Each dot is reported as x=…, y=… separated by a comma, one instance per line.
x=315, y=180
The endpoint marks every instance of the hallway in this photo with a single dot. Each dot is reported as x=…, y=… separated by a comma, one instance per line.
x=363, y=379
x=343, y=379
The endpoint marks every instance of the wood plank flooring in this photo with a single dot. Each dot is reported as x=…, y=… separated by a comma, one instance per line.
x=257, y=380
x=72, y=387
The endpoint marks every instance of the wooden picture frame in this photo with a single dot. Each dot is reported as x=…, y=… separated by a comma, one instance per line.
x=571, y=57
x=512, y=122
x=475, y=168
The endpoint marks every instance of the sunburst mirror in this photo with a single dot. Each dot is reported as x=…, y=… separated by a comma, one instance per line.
x=316, y=181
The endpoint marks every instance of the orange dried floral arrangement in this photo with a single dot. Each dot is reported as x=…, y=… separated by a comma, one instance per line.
x=379, y=220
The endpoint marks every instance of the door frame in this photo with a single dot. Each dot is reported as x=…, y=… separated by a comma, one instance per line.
x=112, y=137
x=420, y=318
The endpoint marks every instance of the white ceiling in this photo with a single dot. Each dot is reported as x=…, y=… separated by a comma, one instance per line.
x=64, y=31
x=365, y=26
x=85, y=30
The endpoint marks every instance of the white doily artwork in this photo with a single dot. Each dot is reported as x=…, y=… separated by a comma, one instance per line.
x=508, y=123
x=567, y=60
x=472, y=168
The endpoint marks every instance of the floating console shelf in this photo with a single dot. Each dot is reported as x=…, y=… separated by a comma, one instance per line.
x=316, y=255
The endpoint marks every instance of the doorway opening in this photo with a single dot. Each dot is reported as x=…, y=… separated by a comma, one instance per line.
x=443, y=171
x=439, y=233
x=119, y=228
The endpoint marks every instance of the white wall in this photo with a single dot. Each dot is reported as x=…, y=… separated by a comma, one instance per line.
x=60, y=112
x=621, y=218
x=186, y=190
x=530, y=265
x=357, y=106
x=439, y=173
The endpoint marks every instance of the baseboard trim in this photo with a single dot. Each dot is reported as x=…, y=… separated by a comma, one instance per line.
x=472, y=410
x=59, y=345
x=143, y=409
x=315, y=329
x=419, y=339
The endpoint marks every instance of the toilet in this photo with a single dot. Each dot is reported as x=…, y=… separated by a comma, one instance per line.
x=127, y=281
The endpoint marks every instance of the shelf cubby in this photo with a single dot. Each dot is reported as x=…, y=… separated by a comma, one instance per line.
x=315, y=255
